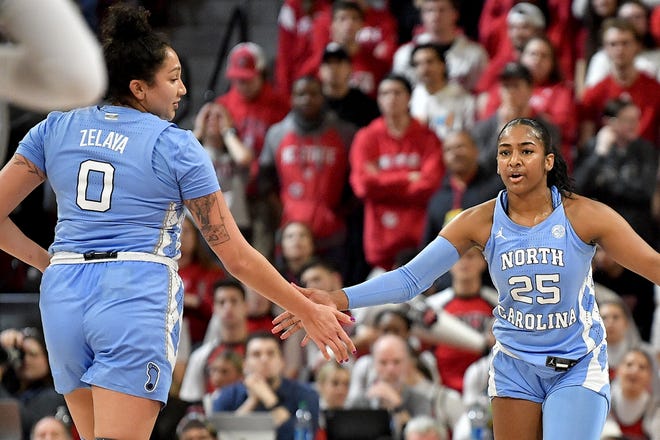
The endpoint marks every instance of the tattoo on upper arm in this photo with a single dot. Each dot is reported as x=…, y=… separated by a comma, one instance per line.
x=201, y=209
x=21, y=161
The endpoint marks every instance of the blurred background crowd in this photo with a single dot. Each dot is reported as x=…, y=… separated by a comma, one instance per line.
x=342, y=149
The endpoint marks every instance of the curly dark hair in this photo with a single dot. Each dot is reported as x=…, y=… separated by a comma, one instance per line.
x=132, y=49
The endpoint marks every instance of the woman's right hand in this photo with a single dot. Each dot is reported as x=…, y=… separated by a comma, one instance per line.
x=315, y=324
x=323, y=326
x=288, y=323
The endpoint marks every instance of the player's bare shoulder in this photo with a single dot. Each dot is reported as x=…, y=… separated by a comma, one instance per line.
x=588, y=217
x=472, y=226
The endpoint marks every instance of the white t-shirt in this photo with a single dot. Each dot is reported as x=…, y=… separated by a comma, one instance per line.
x=600, y=66
x=466, y=60
x=449, y=109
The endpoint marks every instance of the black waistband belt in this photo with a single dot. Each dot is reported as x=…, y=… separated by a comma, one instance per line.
x=99, y=255
x=559, y=364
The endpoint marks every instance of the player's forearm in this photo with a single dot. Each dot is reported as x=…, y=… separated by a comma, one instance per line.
x=257, y=273
x=17, y=244
x=340, y=299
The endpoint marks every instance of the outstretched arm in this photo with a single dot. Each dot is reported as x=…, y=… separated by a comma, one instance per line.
x=615, y=235
x=468, y=229
x=321, y=322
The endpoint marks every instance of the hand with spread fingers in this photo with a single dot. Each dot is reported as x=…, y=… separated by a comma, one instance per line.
x=288, y=324
x=316, y=324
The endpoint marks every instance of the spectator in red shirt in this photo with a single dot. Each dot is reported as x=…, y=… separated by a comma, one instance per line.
x=231, y=332
x=625, y=81
x=470, y=301
x=370, y=60
x=299, y=23
x=655, y=25
x=396, y=165
x=516, y=86
x=254, y=106
x=561, y=28
x=305, y=162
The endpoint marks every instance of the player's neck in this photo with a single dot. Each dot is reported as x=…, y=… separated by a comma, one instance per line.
x=530, y=209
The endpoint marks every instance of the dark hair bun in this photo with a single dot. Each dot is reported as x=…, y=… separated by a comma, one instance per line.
x=125, y=23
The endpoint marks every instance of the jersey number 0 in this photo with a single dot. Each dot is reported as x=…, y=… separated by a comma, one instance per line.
x=86, y=169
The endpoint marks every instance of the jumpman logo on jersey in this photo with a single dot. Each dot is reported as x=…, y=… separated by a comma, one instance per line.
x=500, y=234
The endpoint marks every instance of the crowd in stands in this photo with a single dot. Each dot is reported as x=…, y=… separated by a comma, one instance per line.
x=365, y=137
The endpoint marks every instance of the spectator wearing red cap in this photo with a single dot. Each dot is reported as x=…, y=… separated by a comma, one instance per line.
x=254, y=106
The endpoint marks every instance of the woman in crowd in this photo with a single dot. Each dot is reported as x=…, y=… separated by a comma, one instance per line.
x=636, y=397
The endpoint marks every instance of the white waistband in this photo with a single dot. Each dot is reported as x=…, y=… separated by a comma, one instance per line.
x=75, y=258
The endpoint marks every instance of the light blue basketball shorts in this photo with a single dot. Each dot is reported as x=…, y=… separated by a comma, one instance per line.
x=112, y=324
x=575, y=401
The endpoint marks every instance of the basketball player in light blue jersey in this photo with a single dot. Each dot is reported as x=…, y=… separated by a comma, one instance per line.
x=548, y=377
x=111, y=298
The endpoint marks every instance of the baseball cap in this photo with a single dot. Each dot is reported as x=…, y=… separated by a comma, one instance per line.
x=335, y=51
x=246, y=61
x=526, y=13
x=514, y=70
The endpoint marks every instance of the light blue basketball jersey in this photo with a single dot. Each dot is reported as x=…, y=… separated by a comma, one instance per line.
x=120, y=177
x=547, y=305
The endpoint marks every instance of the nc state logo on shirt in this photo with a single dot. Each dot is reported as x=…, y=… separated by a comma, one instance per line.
x=296, y=190
x=389, y=219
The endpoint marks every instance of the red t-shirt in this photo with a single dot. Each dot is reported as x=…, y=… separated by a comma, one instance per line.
x=644, y=92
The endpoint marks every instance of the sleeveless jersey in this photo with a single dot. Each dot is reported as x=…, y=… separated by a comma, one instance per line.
x=547, y=305
x=120, y=177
